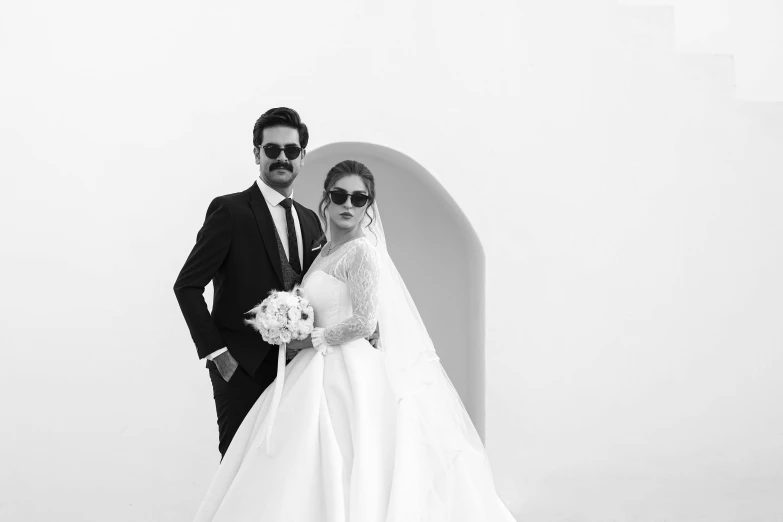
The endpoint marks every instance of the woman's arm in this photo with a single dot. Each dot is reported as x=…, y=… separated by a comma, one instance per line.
x=362, y=275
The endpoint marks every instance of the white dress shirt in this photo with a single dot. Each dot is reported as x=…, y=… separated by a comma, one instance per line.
x=273, y=199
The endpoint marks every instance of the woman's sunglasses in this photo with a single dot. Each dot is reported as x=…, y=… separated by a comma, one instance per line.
x=357, y=199
x=273, y=151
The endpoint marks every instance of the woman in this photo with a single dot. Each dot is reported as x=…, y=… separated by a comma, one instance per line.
x=359, y=434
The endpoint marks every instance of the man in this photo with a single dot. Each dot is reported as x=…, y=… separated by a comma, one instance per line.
x=251, y=243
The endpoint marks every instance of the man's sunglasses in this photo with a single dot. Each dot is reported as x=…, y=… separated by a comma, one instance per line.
x=357, y=199
x=273, y=151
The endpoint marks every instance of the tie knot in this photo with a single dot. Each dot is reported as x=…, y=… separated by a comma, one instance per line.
x=286, y=203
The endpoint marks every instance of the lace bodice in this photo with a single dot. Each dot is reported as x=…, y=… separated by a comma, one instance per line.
x=356, y=264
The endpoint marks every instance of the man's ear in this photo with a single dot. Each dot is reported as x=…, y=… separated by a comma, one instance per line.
x=304, y=153
x=257, y=155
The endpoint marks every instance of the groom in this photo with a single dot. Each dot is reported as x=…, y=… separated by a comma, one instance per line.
x=251, y=242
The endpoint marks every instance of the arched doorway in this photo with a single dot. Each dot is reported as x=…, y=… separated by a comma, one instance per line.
x=435, y=249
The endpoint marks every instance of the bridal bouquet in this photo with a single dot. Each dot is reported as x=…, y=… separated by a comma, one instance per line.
x=279, y=318
x=282, y=316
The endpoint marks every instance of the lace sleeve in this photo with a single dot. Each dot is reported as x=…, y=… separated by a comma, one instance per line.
x=362, y=275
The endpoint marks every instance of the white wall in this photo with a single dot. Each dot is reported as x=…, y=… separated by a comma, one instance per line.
x=627, y=204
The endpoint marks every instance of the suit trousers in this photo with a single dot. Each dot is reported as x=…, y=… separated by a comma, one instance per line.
x=233, y=399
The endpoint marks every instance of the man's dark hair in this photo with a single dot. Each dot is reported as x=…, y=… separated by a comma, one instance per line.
x=280, y=117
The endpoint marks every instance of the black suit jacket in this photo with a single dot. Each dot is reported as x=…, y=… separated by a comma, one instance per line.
x=237, y=250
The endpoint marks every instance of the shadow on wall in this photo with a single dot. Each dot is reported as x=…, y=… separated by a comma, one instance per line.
x=435, y=249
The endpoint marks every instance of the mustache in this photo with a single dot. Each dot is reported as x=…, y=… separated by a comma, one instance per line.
x=281, y=165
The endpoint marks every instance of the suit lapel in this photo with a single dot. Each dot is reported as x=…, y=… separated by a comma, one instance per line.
x=266, y=226
x=309, y=236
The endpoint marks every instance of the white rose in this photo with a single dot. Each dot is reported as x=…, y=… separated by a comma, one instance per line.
x=294, y=314
x=285, y=336
x=259, y=325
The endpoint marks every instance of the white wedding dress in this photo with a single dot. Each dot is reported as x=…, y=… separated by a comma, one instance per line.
x=343, y=447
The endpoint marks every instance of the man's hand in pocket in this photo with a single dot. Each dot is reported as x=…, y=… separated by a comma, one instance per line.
x=226, y=365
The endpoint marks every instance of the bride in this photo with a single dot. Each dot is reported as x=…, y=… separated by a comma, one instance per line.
x=356, y=433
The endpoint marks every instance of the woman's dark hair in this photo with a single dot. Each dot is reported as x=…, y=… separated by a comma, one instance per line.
x=342, y=169
x=280, y=117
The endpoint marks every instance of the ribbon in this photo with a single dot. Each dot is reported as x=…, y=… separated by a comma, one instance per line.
x=276, y=395
x=323, y=349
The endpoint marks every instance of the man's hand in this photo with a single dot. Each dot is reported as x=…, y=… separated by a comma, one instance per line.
x=295, y=345
x=226, y=365
x=373, y=339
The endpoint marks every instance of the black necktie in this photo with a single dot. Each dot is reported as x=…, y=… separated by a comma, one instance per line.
x=293, y=245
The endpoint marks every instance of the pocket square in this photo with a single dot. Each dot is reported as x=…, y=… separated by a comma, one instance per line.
x=316, y=248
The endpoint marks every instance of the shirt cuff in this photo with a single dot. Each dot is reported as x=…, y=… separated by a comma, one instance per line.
x=215, y=354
